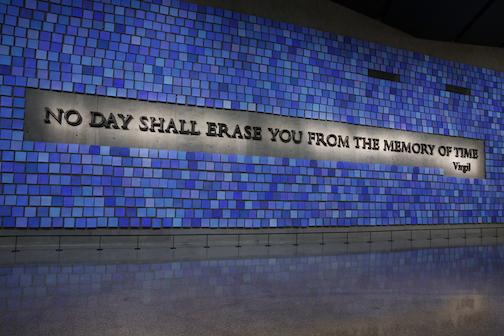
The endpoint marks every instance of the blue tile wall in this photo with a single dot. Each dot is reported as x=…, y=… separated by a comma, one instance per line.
x=177, y=52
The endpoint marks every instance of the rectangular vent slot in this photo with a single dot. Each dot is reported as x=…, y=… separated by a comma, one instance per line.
x=384, y=75
x=458, y=89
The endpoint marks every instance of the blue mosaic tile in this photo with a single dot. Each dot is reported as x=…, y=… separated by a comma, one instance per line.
x=178, y=52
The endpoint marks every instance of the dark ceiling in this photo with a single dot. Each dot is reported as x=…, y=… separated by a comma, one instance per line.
x=474, y=22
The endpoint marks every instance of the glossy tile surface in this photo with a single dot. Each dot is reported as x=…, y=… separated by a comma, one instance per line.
x=437, y=291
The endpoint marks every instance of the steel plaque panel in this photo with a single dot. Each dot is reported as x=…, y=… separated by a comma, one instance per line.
x=97, y=120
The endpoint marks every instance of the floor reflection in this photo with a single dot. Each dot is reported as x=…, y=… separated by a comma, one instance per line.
x=442, y=291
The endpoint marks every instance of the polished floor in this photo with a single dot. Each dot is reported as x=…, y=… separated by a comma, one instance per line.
x=423, y=291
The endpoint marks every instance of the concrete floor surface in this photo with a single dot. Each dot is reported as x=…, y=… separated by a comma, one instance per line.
x=293, y=291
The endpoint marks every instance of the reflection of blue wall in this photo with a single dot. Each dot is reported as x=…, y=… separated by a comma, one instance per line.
x=457, y=290
x=189, y=54
x=475, y=270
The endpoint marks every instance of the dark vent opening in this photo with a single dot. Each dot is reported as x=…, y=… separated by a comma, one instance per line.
x=458, y=89
x=384, y=75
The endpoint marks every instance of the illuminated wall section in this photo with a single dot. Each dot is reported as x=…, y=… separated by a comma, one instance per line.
x=180, y=53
